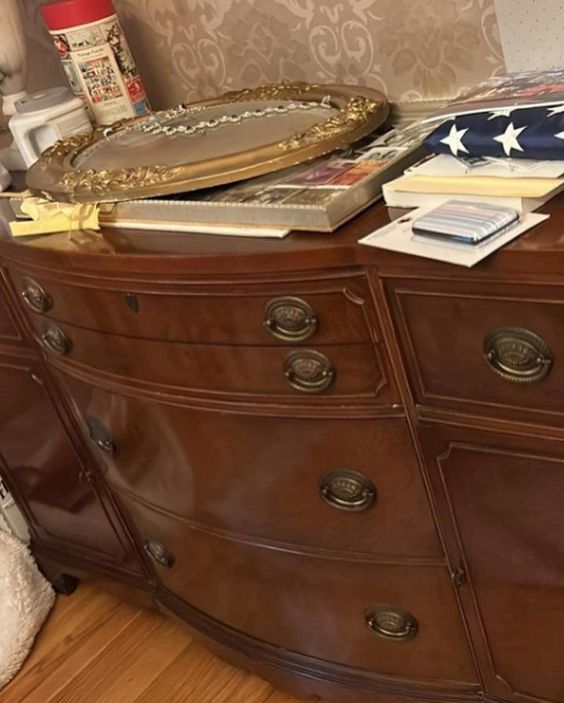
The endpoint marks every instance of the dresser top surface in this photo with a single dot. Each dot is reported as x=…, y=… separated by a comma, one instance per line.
x=537, y=253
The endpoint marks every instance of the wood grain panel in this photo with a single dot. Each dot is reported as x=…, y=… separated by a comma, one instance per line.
x=246, y=372
x=506, y=498
x=260, y=477
x=204, y=314
x=314, y=606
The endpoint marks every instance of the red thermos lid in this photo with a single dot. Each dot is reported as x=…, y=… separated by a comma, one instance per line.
x=70, y=13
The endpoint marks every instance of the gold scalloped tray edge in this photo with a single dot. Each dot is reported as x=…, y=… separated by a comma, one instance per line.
x=357, y=111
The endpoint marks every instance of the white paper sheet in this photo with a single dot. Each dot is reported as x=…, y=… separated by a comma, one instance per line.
x=230, y=231
x=446, y=165
x=398, y=236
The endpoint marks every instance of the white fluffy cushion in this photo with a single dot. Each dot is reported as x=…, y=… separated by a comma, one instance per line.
x=26, y=598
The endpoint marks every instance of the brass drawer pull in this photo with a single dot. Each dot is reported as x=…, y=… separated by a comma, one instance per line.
x=159, y=553
x=517, y=354
x=347, y=490
x=35, y=297
x=391, y=622
x=309, y=371
x=290, y=319
x=56, y=341
x=100, y=435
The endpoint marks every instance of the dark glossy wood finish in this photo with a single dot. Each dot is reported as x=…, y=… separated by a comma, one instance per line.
x=448, y=370
x=173, y=391
x=209, y=314
x=66, y=506
x=255, y=373
x=505, y=498
x=272, y=595
x=162, y=455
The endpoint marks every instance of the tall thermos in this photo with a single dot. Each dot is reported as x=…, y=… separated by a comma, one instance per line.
x=96, y=58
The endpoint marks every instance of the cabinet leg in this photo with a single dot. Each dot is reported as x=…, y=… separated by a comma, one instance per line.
x=62, y=583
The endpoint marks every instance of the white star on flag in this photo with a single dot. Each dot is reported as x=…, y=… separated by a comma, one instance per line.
x=501, y=112
x=556, y=110
x=560, y=135
x=509, y=138
x=454, y=140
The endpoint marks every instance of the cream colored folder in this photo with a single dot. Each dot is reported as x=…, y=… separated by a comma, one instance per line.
x=478, y=185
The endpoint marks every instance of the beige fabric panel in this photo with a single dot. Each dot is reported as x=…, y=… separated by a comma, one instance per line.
x=185, y=49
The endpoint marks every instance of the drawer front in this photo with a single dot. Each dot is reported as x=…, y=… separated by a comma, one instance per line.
x=349, y=485
x=395, y=620
x=326, y=312
x=353, y=371
x=495, y=354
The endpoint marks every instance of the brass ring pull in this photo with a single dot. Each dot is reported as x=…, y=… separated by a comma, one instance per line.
x=391, y=622
x=100, y=435
x=35, y=297
x=347, y=490
x=56, y=341
x=517, y=354
x=291, y=319
x=159, y=553
x=309, y=371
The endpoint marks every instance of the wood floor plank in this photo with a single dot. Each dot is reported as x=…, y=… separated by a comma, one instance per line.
x=97, y=649
x=93, y=641
x=124, y=669
x=198, y=676
x=72, y=621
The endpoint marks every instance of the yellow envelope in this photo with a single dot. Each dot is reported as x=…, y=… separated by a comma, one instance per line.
x=478, y=185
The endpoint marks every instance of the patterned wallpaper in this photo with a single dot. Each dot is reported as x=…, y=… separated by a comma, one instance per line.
x=410, y=49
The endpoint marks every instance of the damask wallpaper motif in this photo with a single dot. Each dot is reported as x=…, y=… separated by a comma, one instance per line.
x=411, y=49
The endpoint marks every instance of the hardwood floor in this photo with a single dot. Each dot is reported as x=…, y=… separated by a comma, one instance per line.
x=97, y=649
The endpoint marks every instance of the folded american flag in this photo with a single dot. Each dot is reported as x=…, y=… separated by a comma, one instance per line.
x=527, y=133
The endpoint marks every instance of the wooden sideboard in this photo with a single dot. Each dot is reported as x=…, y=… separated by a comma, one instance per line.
x=343, y=468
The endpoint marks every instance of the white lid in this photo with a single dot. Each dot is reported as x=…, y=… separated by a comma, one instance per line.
x=43, y=100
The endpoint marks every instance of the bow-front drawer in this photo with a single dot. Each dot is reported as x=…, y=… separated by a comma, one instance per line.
x=344, y=485
x=286, y=313
x=496, y=350
x=391, y=619
x=348, y=373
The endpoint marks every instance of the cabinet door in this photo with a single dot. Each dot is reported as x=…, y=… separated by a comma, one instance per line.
x=504, y=499
x=44, y=472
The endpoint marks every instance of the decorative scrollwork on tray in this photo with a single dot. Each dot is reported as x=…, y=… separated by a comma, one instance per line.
x=65, y=147
x=124, y=179
x=65, y=172
x=356, y=112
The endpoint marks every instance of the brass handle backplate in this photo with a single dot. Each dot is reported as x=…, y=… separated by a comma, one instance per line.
x=517, y=354
x=347, y=490
x=309, y=371
x=100, y=435
x=291, y=319
x=391, y=622
x=56, y=341
x=35, y=297
x=159, y=553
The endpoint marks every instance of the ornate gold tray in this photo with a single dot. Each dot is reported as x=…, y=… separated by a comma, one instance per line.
x=236, y=136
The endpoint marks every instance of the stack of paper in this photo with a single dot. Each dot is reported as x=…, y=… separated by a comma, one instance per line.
x=523, y=186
